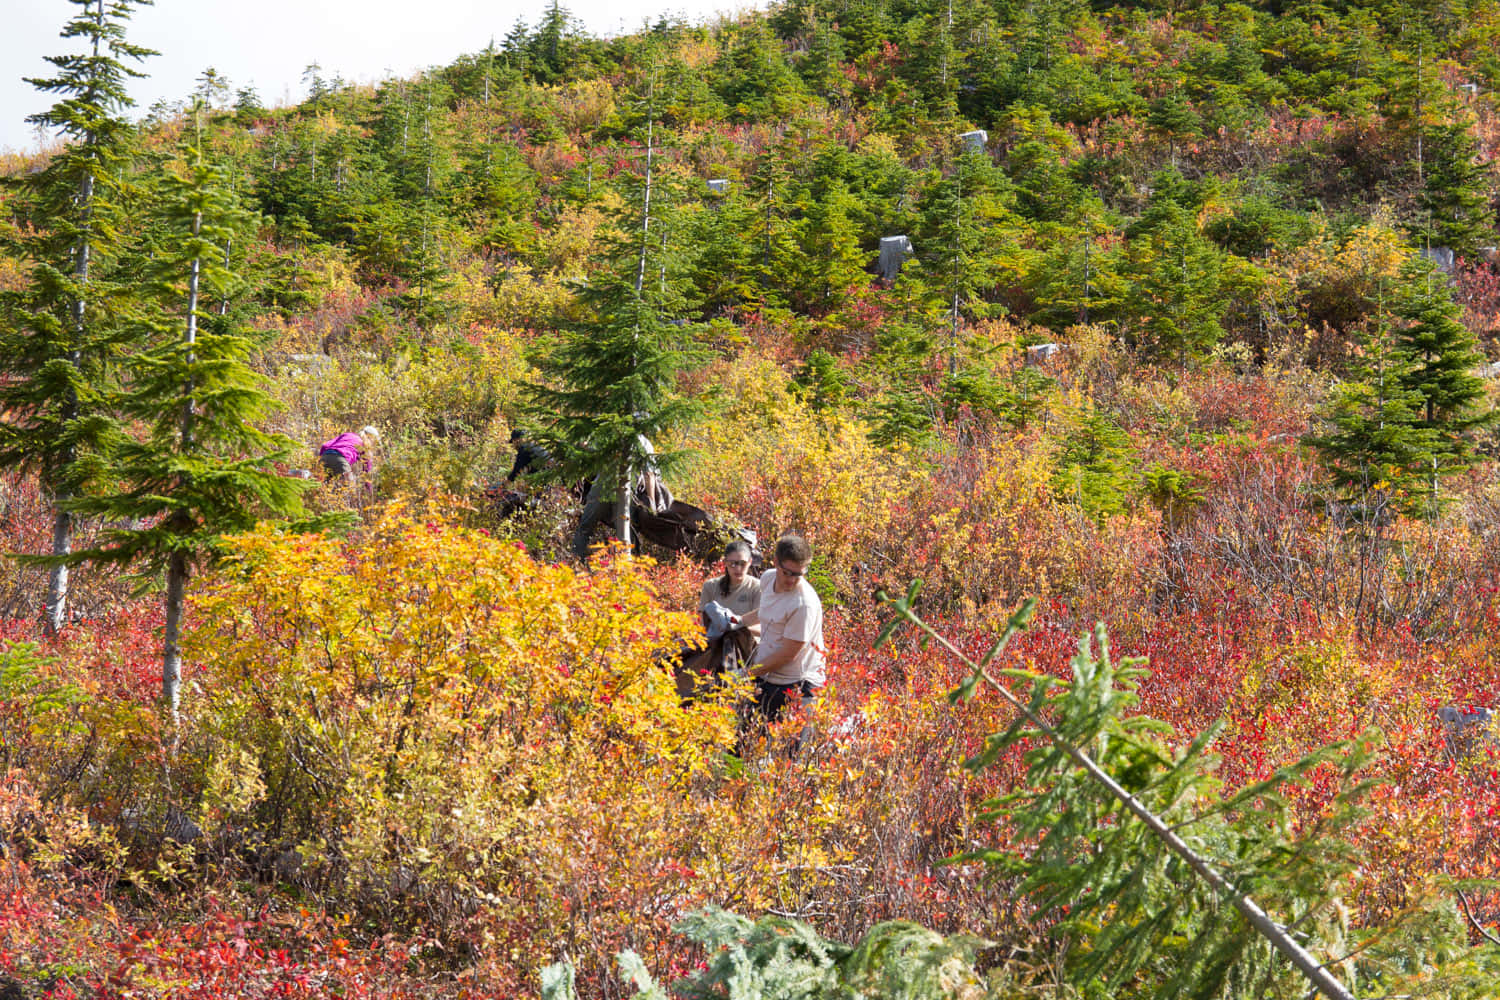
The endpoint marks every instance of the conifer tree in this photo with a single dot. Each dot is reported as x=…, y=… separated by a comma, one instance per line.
x=1177, y=271
x=62, y=330
x=611, y=380
x=1454, y=197
x=1172, y=116
x=770, y=182
x=200, y=469
x=1407, y=417
x=1374, y=447
x=725, y=266
x=964, y=234
x=830, y=260
x=1442, y=355
x=550, y=47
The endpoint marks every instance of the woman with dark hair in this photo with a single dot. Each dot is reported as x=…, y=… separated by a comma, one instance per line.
x=736, y=590
x=723, y=602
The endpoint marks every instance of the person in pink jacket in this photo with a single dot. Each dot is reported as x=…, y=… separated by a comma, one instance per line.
x=343, y=454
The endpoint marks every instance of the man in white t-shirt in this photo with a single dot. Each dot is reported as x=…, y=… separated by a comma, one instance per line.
x=789, y=663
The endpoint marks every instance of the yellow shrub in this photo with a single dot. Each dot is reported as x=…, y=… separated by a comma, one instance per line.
x=522, y=297
x=405, y=703
x=441, y=413
x=782, y=466
x=447, y=727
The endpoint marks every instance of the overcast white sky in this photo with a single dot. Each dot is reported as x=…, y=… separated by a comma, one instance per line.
x=269, y=43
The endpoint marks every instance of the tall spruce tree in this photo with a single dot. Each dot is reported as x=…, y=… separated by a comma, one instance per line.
x=62, y=330
x=1442, y=355
x=611, y=381
x=1178, y=273
x=965, y=234
x=1408, y=416
x=199, y=469
x=1374, y=447
x=1454, y=197
x=771, y=184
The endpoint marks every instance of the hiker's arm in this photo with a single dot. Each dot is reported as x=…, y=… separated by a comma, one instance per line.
x=783, y=656
x=749, y=619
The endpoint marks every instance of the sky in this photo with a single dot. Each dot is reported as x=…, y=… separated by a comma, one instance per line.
x=269, y=43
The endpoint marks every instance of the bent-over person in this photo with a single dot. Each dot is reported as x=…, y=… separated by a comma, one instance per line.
x=341, y=455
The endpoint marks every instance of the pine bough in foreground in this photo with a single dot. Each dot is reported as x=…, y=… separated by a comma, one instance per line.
x=1150, y=880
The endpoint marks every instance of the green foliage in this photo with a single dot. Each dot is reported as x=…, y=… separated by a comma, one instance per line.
x=752, y=76
x=776, y=958
x=1442, y=355
x=1257, y=226
x=724, y=269
x=1172, y=492
x=904, y=417
x=1455, y=196
x=1174, y=117
x=826, y=383
x=964, y=242
x=1094, y=463
x=201, y=469
x=30, y=699
x=1154, y=878
x=62, y=331
x=1409, y=415
x=1144, y=922
x=556, y=50
x=612, y=381
x=1177, y=275
x=1375, y=449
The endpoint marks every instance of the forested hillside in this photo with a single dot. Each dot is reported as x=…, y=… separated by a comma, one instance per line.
x=1179, y=318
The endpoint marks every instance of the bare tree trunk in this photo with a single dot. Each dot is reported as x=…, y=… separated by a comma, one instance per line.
x=62, y=525
x=627, y=472
x=958, y=265
x=640, y=274
x=195, y=274
x=224, y=298
x=57, y=580
x=171, y=661
x=622, y=507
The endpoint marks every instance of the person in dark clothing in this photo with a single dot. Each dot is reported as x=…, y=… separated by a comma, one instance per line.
x=650, y=492
x=529, y=455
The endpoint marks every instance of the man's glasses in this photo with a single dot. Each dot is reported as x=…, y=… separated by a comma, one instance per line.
x=793, y=573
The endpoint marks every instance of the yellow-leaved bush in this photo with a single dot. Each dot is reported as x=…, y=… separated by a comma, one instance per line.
x=440, y=412
x=782, y=466
x=407, y=710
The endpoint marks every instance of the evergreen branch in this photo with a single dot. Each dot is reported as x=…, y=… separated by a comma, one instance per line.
x=1321, y=979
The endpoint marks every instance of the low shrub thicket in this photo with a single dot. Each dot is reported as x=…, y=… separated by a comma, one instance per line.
x=460, y=751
